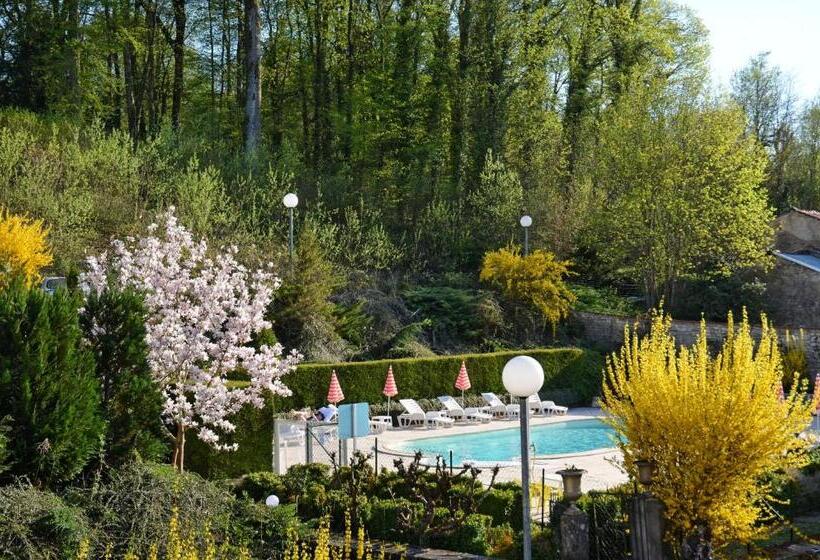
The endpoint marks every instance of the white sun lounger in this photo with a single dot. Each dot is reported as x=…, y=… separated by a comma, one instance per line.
x=551, y=408
x=457, y=412
x=498, y=408
x=415, y=415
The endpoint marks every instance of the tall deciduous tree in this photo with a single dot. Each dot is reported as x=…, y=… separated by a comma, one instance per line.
x=681, y=183
x=203, y=314
x=253, y=83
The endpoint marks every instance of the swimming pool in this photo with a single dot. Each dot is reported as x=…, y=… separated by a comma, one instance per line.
x=562, y=438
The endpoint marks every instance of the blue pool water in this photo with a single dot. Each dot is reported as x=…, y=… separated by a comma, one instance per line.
x=575, y=436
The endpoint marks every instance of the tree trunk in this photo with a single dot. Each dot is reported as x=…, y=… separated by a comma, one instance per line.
x=179, y=61
x=457, y=116
x=179, y=448
x=253, y=88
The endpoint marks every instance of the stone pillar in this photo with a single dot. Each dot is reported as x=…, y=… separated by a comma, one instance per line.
x=574, y=534
x=646, y=522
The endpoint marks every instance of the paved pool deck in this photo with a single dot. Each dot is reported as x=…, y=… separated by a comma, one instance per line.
x=602, y=466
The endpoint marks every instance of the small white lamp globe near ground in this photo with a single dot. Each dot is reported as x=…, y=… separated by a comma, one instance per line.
x=272, y=501
x=290, y=201
x=523, y=376
x=526, y=222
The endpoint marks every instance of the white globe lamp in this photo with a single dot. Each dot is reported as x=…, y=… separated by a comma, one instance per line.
x=526, y=221
x=272, y=501
x=523, y=376
x=290, y=200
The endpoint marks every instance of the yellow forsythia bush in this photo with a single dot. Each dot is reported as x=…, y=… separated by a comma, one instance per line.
x=714, y=425
x=23, y=247
x=536, y=280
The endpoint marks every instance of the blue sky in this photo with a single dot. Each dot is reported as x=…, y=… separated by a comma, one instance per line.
x=789, y=29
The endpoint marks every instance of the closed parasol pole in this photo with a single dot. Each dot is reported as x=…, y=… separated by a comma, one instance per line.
x=390, y=388
x=462, y=381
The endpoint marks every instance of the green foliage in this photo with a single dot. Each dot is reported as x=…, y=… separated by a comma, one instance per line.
x=47, y=385
x=113, y=324
x=302, y=313
x=494, y=207
x=39, y=525
x=471, y=537
x=603, y=300
x=259, y=485
x=455, y=314
x=135, y=504
x=685, y=197
x=260, y=528
x=5, y=428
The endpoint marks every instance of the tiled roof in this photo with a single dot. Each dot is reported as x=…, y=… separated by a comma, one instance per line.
x=811, y=213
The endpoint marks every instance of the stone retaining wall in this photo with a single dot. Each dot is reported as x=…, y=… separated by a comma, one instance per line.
x=607, y=331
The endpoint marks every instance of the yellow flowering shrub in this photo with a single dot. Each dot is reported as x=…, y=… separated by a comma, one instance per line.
x=535, y=280
x=23, y=247
x=713, y=424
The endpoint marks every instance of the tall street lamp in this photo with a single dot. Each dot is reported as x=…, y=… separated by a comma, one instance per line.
x=523, y=376
x=526, y=222
x=290, y=201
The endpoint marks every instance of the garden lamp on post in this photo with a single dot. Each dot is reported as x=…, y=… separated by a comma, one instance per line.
x=526, y=222
x=523, y=376
x=290, y=201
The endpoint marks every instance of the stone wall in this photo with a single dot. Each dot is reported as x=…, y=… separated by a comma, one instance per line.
x=796, y=289
x=607, y=331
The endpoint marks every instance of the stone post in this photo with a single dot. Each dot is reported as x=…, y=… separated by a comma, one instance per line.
x=574, y=534
x=646, y=520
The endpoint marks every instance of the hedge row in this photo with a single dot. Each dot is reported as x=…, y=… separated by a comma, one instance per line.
x=573, y=369
x=572, y=376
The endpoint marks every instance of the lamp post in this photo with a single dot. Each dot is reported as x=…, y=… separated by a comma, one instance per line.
x=523, y=376
x=290, y=201
x=526, y=222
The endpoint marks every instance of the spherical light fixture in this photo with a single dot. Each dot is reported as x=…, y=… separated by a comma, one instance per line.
x=526, y=221
x=290, y=200
x=272, y=501
x=523, y=376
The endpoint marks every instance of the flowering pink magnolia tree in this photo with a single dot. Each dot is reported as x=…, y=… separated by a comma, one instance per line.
x=203, y=312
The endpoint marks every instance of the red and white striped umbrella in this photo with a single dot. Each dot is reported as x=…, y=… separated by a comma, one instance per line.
x=390, y=388
x=463, y=380
x=334, y=392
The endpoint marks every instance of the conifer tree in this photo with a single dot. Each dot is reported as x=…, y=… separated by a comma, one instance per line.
x=47, y=385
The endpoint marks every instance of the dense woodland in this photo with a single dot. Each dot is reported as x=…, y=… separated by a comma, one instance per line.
x=415, y=132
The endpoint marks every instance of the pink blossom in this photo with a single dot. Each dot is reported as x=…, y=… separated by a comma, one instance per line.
x=203, y=311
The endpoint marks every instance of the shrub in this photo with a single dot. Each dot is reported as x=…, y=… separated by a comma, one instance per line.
x=470, y=537
x=535, y=281
x=711, y=466
x=47, y=384
x=382, y=521
x=261, y=529
x=603, y=300
x=135, y=506
x=113, y=323
x=23, y=249
x=455, y=314
x=259, y=485
x=503, y=505
x=38, y=525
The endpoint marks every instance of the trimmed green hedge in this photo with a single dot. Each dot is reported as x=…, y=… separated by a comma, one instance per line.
x=572, y=376
x=573, y=369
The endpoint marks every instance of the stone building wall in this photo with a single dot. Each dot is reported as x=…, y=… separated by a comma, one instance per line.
x=796, y=289
x=607, y=331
